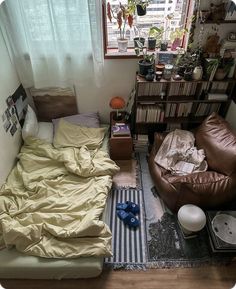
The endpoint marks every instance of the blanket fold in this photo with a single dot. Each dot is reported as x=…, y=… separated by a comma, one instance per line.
x=178, y=154
x=52, y=201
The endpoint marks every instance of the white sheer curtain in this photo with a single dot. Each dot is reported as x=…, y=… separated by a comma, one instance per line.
x=54, y=42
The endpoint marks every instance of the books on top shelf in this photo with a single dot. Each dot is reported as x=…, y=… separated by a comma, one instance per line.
x=217, y=96
x=120, y=129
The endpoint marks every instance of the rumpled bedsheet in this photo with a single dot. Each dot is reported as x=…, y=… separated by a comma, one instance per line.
x=52, y=202
x=178, y=154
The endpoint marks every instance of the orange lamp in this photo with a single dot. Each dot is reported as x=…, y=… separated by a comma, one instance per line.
x=117, y=103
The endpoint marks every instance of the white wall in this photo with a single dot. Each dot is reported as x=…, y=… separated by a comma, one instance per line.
x=119, y=79
x=9, y=146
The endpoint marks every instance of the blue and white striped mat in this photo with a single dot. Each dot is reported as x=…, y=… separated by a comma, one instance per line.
x=129, y=245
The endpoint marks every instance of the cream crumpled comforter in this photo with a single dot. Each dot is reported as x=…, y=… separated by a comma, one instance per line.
x=53, y=199
x=178, y=154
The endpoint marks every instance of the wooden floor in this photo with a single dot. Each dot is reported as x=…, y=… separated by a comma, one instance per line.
x=218, y=277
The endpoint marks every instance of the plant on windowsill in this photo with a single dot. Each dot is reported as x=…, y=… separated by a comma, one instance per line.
x=154, y=37
x=123, y=15
x=176, y=37
x=147, y=61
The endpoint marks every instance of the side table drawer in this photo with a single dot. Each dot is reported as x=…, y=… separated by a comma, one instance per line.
x=121, y=148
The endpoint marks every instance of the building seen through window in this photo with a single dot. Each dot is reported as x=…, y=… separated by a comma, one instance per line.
x=157, y=12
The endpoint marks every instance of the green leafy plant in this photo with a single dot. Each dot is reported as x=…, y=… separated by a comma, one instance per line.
x=142, y=51
x=156, y=32
x=178, y=33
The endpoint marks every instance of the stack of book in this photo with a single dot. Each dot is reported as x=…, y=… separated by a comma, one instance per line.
x=141, y=143
x=120, y=130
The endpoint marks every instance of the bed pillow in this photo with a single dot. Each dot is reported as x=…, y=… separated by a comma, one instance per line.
x=71, y=135
x=45, y=131
x=30, y=127
x=90, y=119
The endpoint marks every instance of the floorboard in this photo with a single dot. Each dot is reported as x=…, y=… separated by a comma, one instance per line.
x=209, y=277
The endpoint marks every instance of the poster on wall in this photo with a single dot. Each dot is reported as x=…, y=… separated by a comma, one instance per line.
x=15, y=111
x=20, y=101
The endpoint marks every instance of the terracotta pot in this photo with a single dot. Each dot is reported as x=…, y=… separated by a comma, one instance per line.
x=220, y=74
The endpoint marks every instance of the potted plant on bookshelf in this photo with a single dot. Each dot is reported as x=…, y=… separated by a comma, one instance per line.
x=224, y=66
x=123, y=16
x=147, y=61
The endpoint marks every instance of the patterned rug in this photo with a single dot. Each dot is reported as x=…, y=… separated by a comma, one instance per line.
x=158, y=242
x=166, y=245
x=129, y=245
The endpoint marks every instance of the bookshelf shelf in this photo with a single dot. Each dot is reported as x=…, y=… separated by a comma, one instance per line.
x=181, y=103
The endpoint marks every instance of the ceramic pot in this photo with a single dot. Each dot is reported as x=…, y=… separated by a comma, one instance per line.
x=144, y=67
x=164, y=46
x=140, y=39
x=197, y=73
x=176, y=43
x=151, y=43
x=150, y=76
x=220, y=74
x=141, y=11
x=122, y=44
x=188, y=74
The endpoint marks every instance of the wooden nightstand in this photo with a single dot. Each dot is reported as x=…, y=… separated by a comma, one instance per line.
x=121, y=147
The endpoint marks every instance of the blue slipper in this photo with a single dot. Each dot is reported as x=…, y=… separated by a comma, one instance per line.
x=128, y=207
x=128, y=219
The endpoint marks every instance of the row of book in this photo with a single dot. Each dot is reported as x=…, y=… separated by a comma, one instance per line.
x=171, y=89
x=157, y=113
x=207, y=108
x=150, y=113
x=178, y=109
x=219, y=86
x=152, y=88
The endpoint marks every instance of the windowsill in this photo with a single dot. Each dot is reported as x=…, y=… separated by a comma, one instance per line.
x=113, y=53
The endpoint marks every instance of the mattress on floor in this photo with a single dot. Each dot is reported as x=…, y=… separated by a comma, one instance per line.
x=16, y=265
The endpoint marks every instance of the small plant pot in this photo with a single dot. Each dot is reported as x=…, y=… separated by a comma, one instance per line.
x=220, y=74
x=181, y=70
x=140, y=39
x=141, y=11
x=122, y=44
x=144, y=67
x=151, y=43
x=164, y=46
x=188, y=75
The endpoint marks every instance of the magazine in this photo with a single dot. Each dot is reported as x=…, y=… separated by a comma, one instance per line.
x=120, y=130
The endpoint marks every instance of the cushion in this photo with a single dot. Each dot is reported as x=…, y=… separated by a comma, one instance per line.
x=45, y=131
x=90, y=119
x=30, y=127
x=218, y=140
x=71, y=135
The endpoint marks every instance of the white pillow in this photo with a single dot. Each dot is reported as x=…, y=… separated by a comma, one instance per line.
x=45, y=131
x=30, y=127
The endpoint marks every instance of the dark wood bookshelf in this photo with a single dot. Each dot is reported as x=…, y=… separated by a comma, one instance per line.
x=162, y=102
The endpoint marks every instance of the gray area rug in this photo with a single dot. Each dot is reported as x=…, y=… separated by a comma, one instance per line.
x=166, y=246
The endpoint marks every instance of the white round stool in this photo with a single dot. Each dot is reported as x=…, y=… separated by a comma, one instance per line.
x=191, y=218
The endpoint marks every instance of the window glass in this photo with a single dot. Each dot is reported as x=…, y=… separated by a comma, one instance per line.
x=169, y=14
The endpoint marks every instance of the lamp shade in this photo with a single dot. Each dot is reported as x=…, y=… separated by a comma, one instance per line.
x=117, y=102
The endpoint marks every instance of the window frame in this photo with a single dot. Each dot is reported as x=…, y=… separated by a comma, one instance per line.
x=113, y=53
